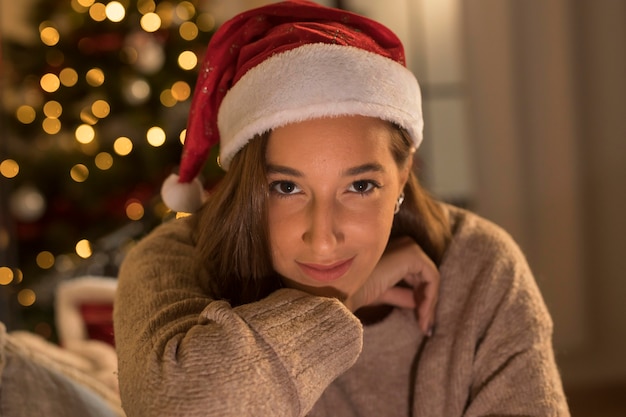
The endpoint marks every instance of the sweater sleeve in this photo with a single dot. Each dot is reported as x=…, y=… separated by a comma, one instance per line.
x=182, y=353
x=491, y=354
x=513, y=370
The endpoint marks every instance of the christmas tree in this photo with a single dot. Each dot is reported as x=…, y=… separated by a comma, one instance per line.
x=93, y=117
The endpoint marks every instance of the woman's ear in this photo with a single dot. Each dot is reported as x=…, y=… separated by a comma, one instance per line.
x=406, y=170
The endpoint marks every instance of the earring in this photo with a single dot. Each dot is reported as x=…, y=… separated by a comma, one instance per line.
x=399, y=203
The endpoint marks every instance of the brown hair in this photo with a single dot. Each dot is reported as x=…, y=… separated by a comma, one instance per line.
x=233, y=238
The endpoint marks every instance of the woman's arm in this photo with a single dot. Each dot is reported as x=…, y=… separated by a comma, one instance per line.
x=182, y=353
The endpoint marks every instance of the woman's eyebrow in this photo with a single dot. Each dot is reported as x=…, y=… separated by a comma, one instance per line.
x=281, y=169
x=361, y=169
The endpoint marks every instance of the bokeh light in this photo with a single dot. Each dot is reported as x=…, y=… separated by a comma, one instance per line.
x=150, y=22
x=187, y=60
x=104, y=161
x=79, y=173
x=115, y=11
x=26, y=114
x=156, y=136
x=9, y=168
x=123, y=146
x=45, y=260
x=85, y=133
x=6, y=275
x=83, y=249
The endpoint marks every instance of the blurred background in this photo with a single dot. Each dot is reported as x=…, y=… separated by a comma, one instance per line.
x=525, y=111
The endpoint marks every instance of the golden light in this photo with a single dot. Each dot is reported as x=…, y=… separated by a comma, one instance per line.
x=98, y=12
x=49, y=36
x=26, y=297
x=185, y=10
x=115, y=12
x=167, y=99
x=139, y=90
x=104, y=161
x=50, y=83
x=51, y=126
x=9, y=168
x=123, y=146
x=79, y=173
x=100, y=109
x=52, y=109
x=156, y=136
x=187, y=60
x=19, y=276
x=188, y=31
x=85, y=134
x=182, y=136
x=85, y=3
x=45, y=260
x=83, y=249
x=95, y=77
x=206, y=22
x=86, y=116
x=146, y=6
x=181, y=90
x=26, y=114
x=6, y=275
x=134, y=210
x=78, y=7
x=68, y=77
x=165, y=10
x=150, y=22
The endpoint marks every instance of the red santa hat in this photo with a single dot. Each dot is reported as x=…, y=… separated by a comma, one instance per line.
x=284, y=63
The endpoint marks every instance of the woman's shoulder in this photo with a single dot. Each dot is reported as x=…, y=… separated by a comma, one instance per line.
x=482, y=255
x=477, y=236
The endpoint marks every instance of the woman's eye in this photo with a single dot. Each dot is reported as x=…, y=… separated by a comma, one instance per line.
x=363, y=187
x=284, y=187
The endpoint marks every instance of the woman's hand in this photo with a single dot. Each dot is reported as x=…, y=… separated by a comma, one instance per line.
x=404, y=277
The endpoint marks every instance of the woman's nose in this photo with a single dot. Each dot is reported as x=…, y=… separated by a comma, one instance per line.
x=323, y=231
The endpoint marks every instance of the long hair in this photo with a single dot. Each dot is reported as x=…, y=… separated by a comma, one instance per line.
x=232, y=237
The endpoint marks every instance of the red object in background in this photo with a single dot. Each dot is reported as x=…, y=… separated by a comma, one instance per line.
x=98, y=321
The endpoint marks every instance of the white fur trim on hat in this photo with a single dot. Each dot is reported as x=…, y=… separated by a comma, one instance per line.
x=318, y=80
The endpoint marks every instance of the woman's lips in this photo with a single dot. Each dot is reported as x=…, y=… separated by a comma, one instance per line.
x=326, y=273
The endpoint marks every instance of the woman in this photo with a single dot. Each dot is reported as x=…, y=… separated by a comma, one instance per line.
x=306, y=283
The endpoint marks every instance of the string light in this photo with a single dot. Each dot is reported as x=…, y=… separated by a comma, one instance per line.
x=49, y=36
x=45, y=260
x=68, y=77
x=115, y=12
x=188, y=31
x=83, y=249
x=52, y=109
x=79, y=173
x=85, y=133
x=150, y=22
x=123, y=146
x=50, y=83
x=104, y=161
x=51, y=126
x=156, y=136
x=6, y=275
x=9, y=168
x=187, y=60
x=25, y=114
x=98, y=12
x=134, y=209
x=95, y=77
x=146, y=6
x=26, y=297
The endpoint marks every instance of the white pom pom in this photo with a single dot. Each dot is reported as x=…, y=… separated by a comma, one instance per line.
x=182, y=197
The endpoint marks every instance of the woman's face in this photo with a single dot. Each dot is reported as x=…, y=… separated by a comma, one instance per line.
x=333, y=188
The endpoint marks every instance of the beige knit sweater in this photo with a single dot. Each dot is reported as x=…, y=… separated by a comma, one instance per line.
x=292, y=354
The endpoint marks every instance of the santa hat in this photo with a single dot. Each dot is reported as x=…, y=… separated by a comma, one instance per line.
x=284, y=63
